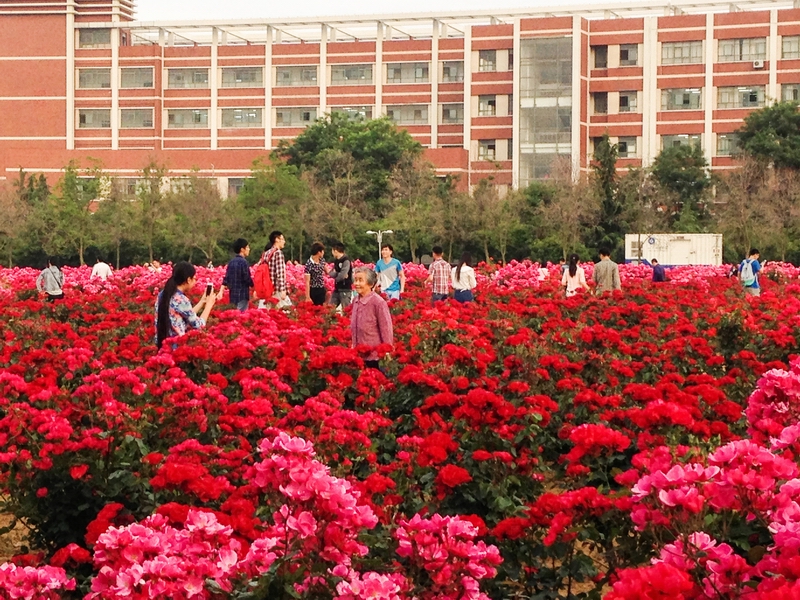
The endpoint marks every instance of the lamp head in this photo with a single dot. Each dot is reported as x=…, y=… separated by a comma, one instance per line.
x=388, y=231
x=370, y=232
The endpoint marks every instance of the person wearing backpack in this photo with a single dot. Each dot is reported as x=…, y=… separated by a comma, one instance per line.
x=51, y=281
x=237, y=276
x=275, y=290
x=748, y=273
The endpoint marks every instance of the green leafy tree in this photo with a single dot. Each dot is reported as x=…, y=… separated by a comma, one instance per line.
x=642, y=213
x=772, y=134
x=608, y=231
x=682, y=172
x=450, y=216
x=413, y=187
x=744, y=198
x=152, y=207
x=14, y=223
x=114, y=216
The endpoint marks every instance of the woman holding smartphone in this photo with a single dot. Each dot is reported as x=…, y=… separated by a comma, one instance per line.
x=175, y=314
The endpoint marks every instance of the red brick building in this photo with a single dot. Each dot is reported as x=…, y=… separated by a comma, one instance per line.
x=500, y=93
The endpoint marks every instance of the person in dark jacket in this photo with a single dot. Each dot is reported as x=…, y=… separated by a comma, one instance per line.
x=342, y=273
x=237, y=276
x=659, y=274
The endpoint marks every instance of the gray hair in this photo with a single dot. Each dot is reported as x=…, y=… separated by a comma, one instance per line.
x=372, y=277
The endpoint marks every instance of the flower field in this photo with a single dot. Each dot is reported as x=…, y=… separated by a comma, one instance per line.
x=635, y=446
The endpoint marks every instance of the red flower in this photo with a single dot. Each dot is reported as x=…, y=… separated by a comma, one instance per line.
x=78, y=471
x=452, y=476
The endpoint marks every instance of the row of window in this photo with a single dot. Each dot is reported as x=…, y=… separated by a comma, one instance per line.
x=744, y=96
x=727, y=144
x=676, y=53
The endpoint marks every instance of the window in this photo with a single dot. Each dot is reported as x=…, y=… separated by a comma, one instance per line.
x=741, y=97
x=452, y=71
x=627, y=102
x=351, y=74
x=600, y=100
x=600, y=57
x=187, y=118
x=94, y=118
x=136, y=77
x=626, y=147
x=727, y=144
x=295, y=117
x=128, y=186
x=790, y=92
x=242, y=77
x=510, y=149
x=628, y=55
x=510, y=105
x=354, y=112
x=235, y=186
x=94, y=38
x=671, y=141
x=407, y=73
x=296, y=76
x=510, y=62
x=487, y=60
x=791, y=46
x=452, y=114
x=743, y=49
x=241, y=117
x=487, y=149
x=411, y=114
x=677, y=53
x=487, y=106
x=133, y=118
x=187, y=78
x=680, y=99
x=94, y=79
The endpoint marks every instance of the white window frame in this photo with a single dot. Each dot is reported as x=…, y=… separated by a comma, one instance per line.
x=94, y=74
x=123, y=111
x=682, y=53
x=97, y=113
x=244, y=120
x=136, y=87
x=196, y=82
x=195, y=122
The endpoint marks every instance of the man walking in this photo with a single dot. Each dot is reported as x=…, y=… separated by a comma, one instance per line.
x=342, y=274
x=606, y=273
x=277, y=269
x=659, y=274
x=101, y=270
x=439, y=275
x=237, y=276
x=748, y=273
x=391, y=277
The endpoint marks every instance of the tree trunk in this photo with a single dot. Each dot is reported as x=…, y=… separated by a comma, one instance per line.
x=117, y=257
x=486, y=249
x=80, y=252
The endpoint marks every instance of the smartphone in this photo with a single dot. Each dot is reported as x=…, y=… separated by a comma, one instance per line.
x=209, y=288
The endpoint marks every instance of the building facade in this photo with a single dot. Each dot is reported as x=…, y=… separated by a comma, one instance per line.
x=501, y=94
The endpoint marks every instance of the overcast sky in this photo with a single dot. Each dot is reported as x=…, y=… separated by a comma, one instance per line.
x=171, y=10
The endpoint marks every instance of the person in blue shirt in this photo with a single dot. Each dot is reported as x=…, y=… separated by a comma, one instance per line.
x=659, y=274
x=752, y=288
x=237, y=276
x=391, y=277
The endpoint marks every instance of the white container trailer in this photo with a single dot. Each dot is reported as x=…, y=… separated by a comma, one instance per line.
x=675, y=248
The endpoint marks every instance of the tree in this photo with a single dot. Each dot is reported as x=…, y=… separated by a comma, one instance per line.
x=608, y=232
x=13, y=224
x=114, y=216
x=782, y=214
x=152, y=209
x=413, y=186
x=506, y=224
x=485, y=198
x=450, y=215
x=642, y=213
x=681, y=171
x=772, y=134
x=744, y=201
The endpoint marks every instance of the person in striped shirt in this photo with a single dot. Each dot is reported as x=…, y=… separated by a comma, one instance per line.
x=439, y=275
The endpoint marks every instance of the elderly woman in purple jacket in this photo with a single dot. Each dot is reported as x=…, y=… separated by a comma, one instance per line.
x=370, y=321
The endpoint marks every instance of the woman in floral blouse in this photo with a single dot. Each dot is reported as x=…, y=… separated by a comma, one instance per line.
x=174, y=311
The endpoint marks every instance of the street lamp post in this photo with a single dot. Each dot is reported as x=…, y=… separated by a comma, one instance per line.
x=379, y=235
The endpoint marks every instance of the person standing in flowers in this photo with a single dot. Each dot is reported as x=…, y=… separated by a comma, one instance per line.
x=659, y=274
x=391, y=274
x=439, y=275
x=370, y=321
x=574, y=277
x=606, y=273
x=273, y=256
x=342, y=274
x=748, y=271
x=175, y=314
x=237, y=276
x=314, y=274
x=101, y=270
x=51, y=281
x=463, y=279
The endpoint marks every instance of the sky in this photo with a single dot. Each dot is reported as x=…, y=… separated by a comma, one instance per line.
x=191, y=10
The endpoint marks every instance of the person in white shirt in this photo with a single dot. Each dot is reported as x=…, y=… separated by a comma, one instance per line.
x=574, y=277
x=101, y=270
x=463, y=279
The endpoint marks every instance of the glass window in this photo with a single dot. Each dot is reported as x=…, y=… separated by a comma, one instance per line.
x=680, y=99
x=600, y=57
x=677, y=53
x=94, y=79
x=629, y=55
x=452, y=114
x=487, y=149
x=752, y=96
x=187, y=118
x=296, y=76
x=600, y=102
x=94, y=38
x=407, y=73
x=242, y=77
x=136, y=77
x=132, y=118
x=487, y=106
x=295, y=117
x=671, y=141
x=351, y=74
x=408, y=114
x=790, y=92
x=626, y=147
x=727, y=144
x=94, y=118
x=452, y=71
x=742, y=49
x=235, y=186
x=187, y=78
x=356, y=112
x=790, y=45
x=627, y=101
x=241, y=117
x=487, y=60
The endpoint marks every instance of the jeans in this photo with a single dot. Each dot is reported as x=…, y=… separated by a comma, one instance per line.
x=242, y=305
x=437, y=297
x=463, y=296
x=343, y=297
x=393, y=295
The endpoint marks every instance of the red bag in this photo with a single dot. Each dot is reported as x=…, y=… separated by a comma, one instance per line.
x=262, y=278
